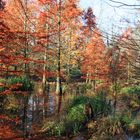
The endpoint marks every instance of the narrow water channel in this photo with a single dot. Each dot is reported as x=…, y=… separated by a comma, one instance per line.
x=40, y=106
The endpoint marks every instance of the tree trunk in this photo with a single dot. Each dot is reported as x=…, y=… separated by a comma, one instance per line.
x=59, y=84
x=94, y=85
x=44, y=79
x=26, y=65
x=24, y=120
x=45, y=66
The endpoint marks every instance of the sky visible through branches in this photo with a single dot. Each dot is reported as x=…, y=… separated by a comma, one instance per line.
x=114, y=16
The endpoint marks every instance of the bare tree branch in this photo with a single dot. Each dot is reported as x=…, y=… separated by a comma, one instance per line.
x=124, y=4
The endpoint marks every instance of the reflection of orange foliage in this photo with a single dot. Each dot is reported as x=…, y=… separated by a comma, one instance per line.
x=1, y=84
x=6, y=129
x=6, y=132
x=4, y=117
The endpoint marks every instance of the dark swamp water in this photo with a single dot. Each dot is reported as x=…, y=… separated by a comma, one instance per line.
x=42, y=106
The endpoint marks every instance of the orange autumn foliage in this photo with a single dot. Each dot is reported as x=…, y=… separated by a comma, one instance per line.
x=93, y=62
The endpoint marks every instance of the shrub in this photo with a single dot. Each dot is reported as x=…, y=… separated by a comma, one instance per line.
x=27, y=85
x=78, y=100
x=116, y=87
x=2, y=96
x=75, y=73
x=82, y=88
x=107, y=128
x=130, y=124
x=132, y=94
x=11, y=104
x=2, y=88
x=55, y=128
x=131, y=90
x=72, y=127
x=75, y=116
x=126, y=119
x=98, y=103
x=76, y=108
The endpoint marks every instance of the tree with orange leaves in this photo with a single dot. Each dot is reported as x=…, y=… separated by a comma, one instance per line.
x=93, y=64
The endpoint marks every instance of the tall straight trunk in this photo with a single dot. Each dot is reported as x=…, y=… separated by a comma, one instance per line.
x=44, y=78
x=45, y=66
x=59, y=103
x=69, y=58
x=87, y=79
x=59, y=84
x=26, y=66
x=47, y=105
x=24, y=120
x=46, y=100
x=115, y=95
x=7, y=72
x=26, y=71
x=128, y=72
x=94, y=85
x=45, y=83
